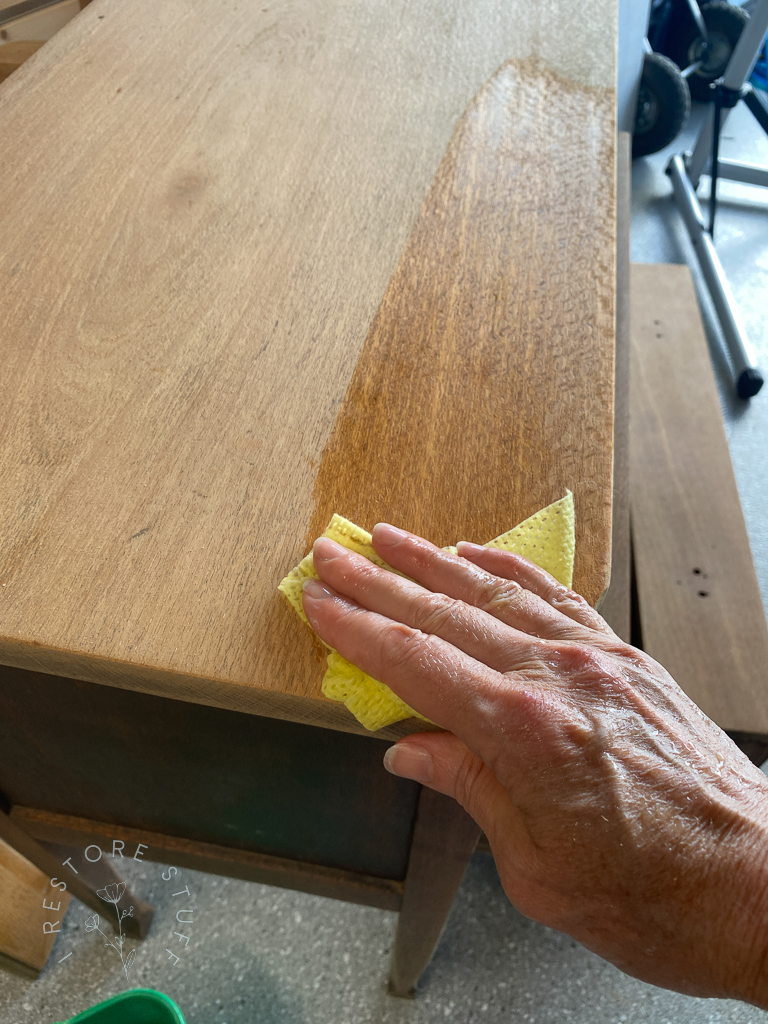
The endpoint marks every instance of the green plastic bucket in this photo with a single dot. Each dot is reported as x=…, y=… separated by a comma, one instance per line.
x=139, y=1006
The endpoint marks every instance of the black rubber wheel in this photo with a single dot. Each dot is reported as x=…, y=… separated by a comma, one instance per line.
x=663, y=105
x=724, y=26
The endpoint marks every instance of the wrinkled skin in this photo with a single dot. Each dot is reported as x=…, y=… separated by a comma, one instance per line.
x=615, y=809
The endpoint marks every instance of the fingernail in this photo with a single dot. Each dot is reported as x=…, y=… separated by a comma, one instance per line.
x=324, y=548
x=389, y=534
x=465, y=545
x=409, y=762
x=317, y=590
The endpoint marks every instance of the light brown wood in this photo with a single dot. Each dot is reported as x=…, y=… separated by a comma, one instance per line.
x=700, y=607
x=28, y=929
x=616, y=604
x=13, y=55
x=443, y=841
x=334, y=883
x=484, y=389
x=200, y=223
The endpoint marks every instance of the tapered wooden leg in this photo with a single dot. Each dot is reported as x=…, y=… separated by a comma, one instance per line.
x=50, y=858
x=31, y=912
x=443, y=841
x=101, y=874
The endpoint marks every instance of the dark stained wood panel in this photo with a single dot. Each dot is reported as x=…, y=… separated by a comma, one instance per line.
x=200, y=773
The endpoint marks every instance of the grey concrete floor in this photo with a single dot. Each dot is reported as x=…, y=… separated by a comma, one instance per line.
x=270, y=956
x=258, y=954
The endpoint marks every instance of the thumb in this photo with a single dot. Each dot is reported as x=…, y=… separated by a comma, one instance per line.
x=441, y=761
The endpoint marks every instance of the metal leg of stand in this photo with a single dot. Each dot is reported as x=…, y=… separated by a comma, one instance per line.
x=758, y=107
x=749, y=380
x=699, y=160
x=736, y=74
x=713, y=170
x=685, y=179
x=749, y=174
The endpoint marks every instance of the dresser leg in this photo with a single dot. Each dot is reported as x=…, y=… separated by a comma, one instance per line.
x=50, y=858
x=443, y=841
x=97, y=876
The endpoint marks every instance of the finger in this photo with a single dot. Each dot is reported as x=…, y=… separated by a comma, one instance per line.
x=558, y=615
x=441, y=761
x=538, y=581
x=429, y=674
x=477, y=633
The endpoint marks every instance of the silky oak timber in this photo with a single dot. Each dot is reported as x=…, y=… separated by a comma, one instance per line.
x=199, y=228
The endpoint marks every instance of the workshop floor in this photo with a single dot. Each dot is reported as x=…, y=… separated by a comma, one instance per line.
x=268, y=956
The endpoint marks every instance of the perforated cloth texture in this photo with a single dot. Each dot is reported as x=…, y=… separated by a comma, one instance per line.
x=546, y=538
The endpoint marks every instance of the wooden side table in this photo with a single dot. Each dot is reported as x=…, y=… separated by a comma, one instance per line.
x=257, y=270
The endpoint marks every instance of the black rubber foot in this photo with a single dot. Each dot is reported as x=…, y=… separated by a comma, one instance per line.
x=749, y=383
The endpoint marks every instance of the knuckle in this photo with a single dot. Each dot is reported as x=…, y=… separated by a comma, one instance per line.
x=568, y=600
x=498, y=593
x=467, y=776
x=437, y=611
x=365, y=570
x=582, y=662
x=403, y=647
x=559, y=591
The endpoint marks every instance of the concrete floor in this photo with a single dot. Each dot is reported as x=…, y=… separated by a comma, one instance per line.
x=268, y=956
x=275, y=957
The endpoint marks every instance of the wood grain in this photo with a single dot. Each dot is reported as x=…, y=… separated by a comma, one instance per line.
x=484, y=389
x=24, y=947
x=443, y=841
x=616, y=605
x=700, y=606
x=200, y=224
x=334, y=883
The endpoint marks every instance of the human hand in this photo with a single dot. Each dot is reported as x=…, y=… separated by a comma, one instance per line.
x=615, y=809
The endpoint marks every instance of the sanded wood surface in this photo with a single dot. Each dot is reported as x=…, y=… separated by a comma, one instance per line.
x=24, y=888
x=700, y=607
x=201, y=222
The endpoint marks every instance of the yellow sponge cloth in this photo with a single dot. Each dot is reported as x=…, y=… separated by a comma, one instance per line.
x=546, y=538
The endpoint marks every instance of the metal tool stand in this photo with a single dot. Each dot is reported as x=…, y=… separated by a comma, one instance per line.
x=685, y=173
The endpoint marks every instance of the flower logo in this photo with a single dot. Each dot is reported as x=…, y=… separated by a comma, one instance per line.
x=113, y=894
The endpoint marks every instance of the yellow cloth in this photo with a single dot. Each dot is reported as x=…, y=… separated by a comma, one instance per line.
x=546, y=538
